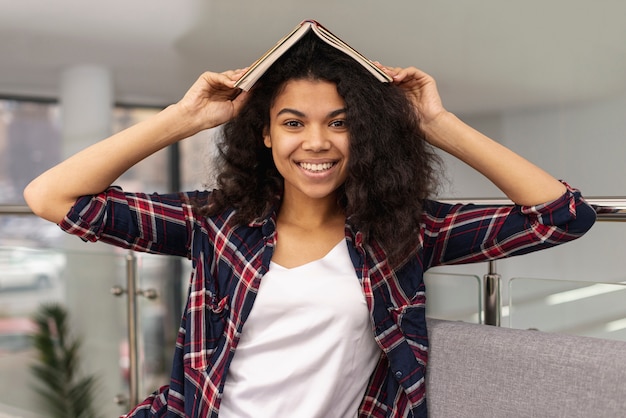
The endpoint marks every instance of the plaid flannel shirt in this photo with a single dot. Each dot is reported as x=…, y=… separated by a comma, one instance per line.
x=229, y=263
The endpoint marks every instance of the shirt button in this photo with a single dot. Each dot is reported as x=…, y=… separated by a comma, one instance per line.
x=399, y=374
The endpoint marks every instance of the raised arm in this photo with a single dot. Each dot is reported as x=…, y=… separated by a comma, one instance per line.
x=208, y=103
x=523, y=182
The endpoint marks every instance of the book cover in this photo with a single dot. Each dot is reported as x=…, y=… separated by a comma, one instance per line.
x=258, y=68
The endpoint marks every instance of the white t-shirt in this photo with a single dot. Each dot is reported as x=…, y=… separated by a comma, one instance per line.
x=307, y=348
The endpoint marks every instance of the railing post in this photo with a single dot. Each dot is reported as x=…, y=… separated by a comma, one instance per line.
x=492, y=296
x=132, y=292
x=133, y=347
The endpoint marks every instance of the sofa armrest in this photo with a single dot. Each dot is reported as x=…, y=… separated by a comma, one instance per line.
x=485, y=371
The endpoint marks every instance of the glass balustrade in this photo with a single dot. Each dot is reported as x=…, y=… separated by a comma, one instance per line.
x=82, y=282
x=455, y=297
x=591, y=309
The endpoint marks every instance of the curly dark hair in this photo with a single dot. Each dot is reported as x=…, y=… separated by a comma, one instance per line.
x=392, y=169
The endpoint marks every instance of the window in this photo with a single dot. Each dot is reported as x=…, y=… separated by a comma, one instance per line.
x=36, y=267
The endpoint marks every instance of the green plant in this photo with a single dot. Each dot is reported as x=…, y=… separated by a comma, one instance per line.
x=62, y=391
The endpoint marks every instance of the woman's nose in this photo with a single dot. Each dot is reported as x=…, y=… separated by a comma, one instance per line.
x=316, y=140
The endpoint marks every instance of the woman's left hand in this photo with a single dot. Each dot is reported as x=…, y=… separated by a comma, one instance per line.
x=421, y=89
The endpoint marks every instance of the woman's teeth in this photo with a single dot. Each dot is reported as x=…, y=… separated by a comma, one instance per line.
x=316, y=167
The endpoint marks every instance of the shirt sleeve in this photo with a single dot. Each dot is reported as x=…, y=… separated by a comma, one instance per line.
x=155, y=223
x=459, y=234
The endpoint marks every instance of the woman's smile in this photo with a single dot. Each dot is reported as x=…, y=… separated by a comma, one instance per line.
x=317, y=167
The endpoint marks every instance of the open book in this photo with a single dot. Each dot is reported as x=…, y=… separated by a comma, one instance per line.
x=258, y=68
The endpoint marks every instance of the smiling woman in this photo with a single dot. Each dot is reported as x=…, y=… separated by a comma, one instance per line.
x=307, y=295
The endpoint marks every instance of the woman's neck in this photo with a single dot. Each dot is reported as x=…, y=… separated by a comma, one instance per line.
x=307, y=232
x=313, y=213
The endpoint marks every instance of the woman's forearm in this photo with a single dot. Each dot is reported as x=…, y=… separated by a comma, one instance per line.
x=211, y=101
x=523, y=182
x=95, y=168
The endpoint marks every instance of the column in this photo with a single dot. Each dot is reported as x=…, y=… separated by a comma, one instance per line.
x=87, y=98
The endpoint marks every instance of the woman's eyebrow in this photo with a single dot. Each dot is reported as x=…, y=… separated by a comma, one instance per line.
x=337, y=112
x=301, y=115
x=292, y=111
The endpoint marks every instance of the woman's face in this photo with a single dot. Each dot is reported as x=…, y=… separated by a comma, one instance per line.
x=309, y=139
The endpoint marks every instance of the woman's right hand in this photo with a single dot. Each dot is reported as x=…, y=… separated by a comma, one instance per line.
x=212, y=100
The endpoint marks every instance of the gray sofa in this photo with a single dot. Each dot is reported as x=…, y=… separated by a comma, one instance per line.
x=481, y=371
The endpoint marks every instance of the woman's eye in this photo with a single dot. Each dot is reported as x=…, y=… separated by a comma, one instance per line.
x=338, y=123
x=293, y=123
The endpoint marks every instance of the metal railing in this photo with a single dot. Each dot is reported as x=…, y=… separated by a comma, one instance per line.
x=608, y=209
x=15, y=210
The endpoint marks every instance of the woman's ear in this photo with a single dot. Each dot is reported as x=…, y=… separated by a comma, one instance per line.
x=267, y=139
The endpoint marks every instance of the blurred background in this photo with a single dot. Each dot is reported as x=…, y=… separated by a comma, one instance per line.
x=545, y=78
